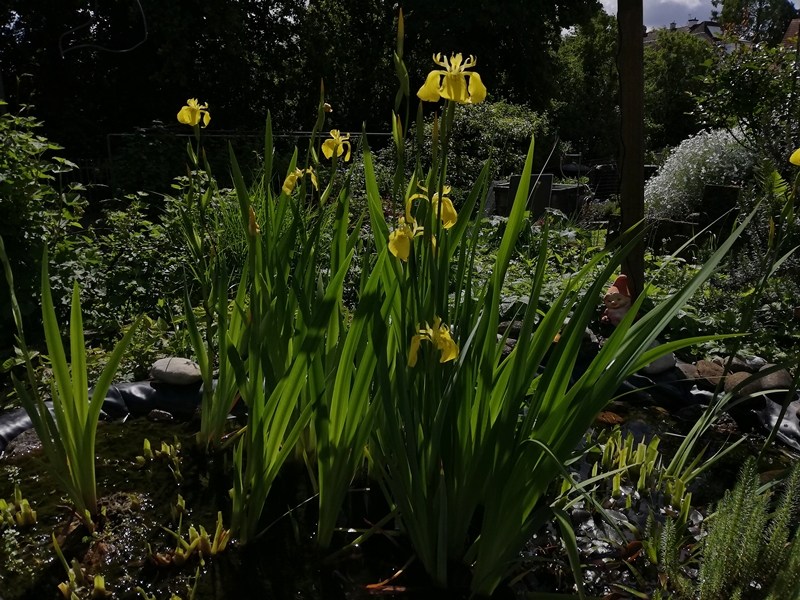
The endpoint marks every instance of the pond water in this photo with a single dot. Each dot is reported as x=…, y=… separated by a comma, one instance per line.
x=283, y=562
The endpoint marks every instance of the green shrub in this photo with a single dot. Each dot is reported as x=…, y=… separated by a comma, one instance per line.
x=127, y=264
x=711, y=157
x=497, y=129
x=35, y=210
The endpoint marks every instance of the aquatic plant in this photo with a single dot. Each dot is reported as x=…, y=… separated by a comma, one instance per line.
x=640, y=463
x=459, y=427
x=663, y=544
x=69, y=439
x=17, y=511
x=300, y=351
x=345, y=412
x=200, y=228
x=747, y=548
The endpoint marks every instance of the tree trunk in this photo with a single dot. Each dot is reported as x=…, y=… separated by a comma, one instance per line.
x=2, y=95
x=630, y=19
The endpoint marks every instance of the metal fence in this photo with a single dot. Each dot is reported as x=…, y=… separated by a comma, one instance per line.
x=150, y=158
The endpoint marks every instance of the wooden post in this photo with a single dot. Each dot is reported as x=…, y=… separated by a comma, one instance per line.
x=630, y=65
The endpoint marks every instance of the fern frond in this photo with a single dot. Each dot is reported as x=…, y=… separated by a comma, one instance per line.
x=735, y=535
x=773, y=185
x=787, y=582
x=670, y=548
x=775, y=553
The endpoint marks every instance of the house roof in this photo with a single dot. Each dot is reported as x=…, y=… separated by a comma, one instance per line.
x=709, y=31
x=791, y=32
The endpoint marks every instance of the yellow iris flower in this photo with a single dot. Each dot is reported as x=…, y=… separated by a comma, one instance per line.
x=451, y=84
x=407, y=229
x=190, y=114
x=400, y=238
x=448, y=214
x=439, y=336
x=795, y=158
x=336, y=145
x=291, y=180
x=252, y=225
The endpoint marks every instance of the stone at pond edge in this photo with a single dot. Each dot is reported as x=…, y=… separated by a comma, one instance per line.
x=513, y=328
x=752, y=387
x=689, y=370
x=708, y=373
x=754, y=362
x=735, y=379
x=177, y=371
x=659, y=365
x=609, y=418
x=779, y=380
x=744, y=362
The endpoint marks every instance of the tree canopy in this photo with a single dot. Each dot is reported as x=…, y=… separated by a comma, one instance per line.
x=246, y=56
x=757, y=20
x=587, y=106
x=85, y=85
x=753, y=93
x=673, y=70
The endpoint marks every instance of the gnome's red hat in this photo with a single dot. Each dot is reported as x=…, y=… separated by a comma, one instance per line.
x=620, y=286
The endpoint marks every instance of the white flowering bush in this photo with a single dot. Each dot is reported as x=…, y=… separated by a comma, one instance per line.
x=710, y=157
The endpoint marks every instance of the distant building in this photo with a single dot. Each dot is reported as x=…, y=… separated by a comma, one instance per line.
x=710, y=31
x=790, y=37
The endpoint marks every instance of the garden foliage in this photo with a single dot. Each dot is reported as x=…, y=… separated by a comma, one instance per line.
x=752, y=92
x=671, y=72
x=749, y=549
x=412, y=378
x=36, y=211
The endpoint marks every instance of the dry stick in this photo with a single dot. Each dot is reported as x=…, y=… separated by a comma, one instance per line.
x=360, y=539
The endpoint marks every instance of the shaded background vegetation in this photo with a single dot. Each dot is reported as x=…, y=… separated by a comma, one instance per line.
x=108, y=96
x=247, y=56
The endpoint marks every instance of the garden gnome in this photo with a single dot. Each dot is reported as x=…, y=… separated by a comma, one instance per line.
x=617, y=301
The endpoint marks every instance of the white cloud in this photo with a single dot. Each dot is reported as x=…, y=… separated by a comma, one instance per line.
x=659, y=13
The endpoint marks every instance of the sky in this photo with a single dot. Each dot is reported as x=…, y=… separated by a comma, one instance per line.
x=660, y=13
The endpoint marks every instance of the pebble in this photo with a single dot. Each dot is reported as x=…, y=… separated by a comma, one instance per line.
x=160, y=415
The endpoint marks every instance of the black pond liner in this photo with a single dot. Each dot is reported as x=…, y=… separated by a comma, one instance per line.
x=123, y=400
